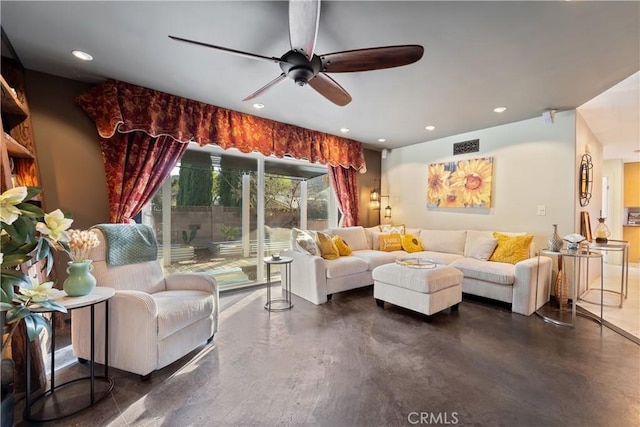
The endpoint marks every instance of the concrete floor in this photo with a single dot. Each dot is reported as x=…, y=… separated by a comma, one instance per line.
x=351, y=363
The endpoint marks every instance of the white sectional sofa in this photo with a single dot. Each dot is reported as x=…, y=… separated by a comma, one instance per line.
x=316, y=279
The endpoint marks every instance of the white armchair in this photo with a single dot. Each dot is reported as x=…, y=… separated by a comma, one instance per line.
x=153, y=319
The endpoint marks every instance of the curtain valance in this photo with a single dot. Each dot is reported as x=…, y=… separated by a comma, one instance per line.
x=117, y=106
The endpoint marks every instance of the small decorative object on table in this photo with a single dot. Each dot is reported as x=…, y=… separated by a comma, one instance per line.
x=602, y=231
x=555, y=242
x=573, y=241
x=80, y=281
x=414, y=262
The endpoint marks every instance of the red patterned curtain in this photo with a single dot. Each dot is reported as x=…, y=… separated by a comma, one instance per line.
x=136, y=165
x=118, y=107
x=345, y=184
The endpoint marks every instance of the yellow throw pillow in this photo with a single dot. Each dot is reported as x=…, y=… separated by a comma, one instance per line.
x=327, y=248
x=343, y=248
x=390, y=242
x=511, y=249
x=411, y=244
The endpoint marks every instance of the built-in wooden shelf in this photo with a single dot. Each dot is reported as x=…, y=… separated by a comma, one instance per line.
x=15, y=149
x=10, y=102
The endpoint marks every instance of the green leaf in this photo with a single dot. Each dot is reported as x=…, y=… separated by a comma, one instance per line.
x=31, y=210
x=14, y=259
x=7, y=275
x=49, y=263
x=35, y=324
x=23, y=230
x=4, y=306
x=17, y=313
x=32, y=192
x=53, y=306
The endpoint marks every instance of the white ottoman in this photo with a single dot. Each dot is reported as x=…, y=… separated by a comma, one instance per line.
x=425, y=290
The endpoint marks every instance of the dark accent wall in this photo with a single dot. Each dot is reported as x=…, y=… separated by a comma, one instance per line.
x=367, y=182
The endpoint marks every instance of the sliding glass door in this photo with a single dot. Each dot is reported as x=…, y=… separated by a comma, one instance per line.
x=222, y=212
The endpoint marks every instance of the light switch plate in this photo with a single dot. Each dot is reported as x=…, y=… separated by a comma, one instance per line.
x=542, y=210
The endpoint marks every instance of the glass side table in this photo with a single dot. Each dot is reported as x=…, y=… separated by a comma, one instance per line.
x=577, y=258
x=279, y=304
x=621, y=246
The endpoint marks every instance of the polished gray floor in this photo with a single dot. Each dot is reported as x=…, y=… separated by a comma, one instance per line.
x=351, y=363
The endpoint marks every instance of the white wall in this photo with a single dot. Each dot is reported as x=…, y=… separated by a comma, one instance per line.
x=614, y=170
x=533, y=164
x=586, y=141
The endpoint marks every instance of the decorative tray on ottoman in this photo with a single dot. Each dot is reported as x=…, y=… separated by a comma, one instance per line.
x=413, y=262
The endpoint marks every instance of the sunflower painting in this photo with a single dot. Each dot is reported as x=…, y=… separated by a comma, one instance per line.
x=463, y=184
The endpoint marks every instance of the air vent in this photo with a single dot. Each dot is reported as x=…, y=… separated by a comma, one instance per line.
x=472, y=146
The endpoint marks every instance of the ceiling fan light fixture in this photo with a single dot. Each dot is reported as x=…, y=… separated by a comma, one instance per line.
x=258, y=106
x=82, y=55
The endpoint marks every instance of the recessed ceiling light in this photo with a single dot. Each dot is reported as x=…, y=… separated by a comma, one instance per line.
x=258, y=106
x=382, y=140
x=344, y=130
x=82, y=55
x=430, y=128
x=500, y=109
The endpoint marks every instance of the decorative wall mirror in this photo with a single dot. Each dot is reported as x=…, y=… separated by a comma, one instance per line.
x=585, y=179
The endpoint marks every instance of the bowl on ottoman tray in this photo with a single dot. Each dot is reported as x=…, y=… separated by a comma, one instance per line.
x=418, y=284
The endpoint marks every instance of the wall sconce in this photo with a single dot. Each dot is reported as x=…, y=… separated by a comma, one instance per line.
x=387, y=210
x=374, y=199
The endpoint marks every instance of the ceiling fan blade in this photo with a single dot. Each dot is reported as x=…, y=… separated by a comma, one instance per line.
x=375, y=58
x=266, y=87
x=330, y=89
x=233, y=51
x=304, y=16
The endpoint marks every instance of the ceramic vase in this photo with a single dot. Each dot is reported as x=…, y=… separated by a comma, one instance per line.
x=80, y=281
x=555, y=242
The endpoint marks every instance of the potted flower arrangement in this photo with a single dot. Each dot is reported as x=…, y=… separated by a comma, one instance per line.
x=27, y=235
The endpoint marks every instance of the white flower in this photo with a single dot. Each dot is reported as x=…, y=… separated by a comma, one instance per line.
x=8, y=201
x=39, y=292
x=55, y=226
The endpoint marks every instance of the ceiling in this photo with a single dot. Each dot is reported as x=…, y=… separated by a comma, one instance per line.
x=526, y=56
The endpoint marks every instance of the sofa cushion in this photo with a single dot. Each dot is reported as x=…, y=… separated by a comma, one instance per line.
x=179, y=309
x=376, y=258
x=304, y=241
x=345, y=266
x=410, y=243
x=369, y=231
x=437, y=257
x=511, y=249
x=343, y=247
x=495, y=272
x=449, y=241
x=390, y=242
x=483, y=248
x=354, y=236
x=328, y=249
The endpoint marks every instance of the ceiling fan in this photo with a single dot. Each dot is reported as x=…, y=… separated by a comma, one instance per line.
x=305, y=67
